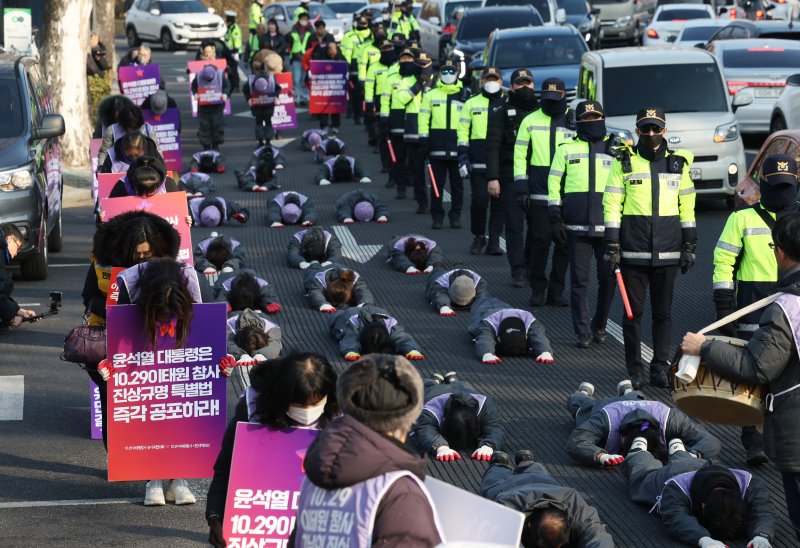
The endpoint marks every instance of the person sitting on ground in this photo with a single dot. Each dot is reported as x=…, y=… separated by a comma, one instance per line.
x=290, y=208
x=364, y=452
x=196, y=184
x=456, y=417
x=125, y=150
x=213, y=211
x=601, y=431
x=368, y=330
x=218, y=253
x=313, y=245
x=245, y=289
x=335, y=286
x=554, y=515
x=700, y=503
x=414, y=254
x=262, y=170
x=252, y=338
x=339, y=168
x=11, y=314
x=502, y=330
x=362, y=206
x=457, y=288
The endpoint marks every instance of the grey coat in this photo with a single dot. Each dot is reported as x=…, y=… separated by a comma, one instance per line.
x=238, y=320
x=316, y=286
x=438, y=290
x=400, y=260
x=307, y=210
x=333, y=248
x=346, y=325
x=346, y=203
x=770, y=358
x=225, y=281
x=481, y=327
x=236, y=261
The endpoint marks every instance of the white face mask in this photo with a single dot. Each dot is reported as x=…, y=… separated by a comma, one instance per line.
x=448, y=78
x=491, y=87
x=309, y=415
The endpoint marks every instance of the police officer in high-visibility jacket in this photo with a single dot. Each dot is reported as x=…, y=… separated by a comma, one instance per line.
x=233, y=36
x=403, y=20
x=473, y=154
x=577, y=180
x=540, y=133
x=745, y=269
x=256, y=16
x=375, y=86
x=369, y=55
x=398, y=99
x=439, y=116
x=650, y=232
x=351, y=43
x=413, y=89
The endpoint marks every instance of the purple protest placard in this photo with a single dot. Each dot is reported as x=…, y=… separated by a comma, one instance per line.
x=285, y=115
x=328, y=87
x=94, y=150
x=194, y=68
x=139, y=82
x=264, y=485
x=95, y=411
x=167, y=128
x=166, y=405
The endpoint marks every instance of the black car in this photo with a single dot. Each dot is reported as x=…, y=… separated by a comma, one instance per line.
x=30, y=162
x=742, y=28
x=583, y=17
x=476, y=25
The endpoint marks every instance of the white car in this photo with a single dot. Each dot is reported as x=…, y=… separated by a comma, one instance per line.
x=669, y=19
x=698, y=31
x=786, y=114
x=283, y=13
x=760, y=66
x=172, y=23
x=346, y=8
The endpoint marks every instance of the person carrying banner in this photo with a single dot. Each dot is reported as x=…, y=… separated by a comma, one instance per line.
x=500, y=330
x=454, y=289
x=331, y=52
x=159, y=102
x=129, y=120
x=313, y=245
x=261, y=91
x=211, y=103
x=362, y=206
x=370, y=329
x=414, y=254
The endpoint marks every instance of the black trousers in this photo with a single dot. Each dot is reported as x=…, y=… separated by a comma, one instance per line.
x=415, y=172
x=371, y=124
x=211, y=125
x=356, y=96
x=582, y=251
x=480, y=202
x=103, y=389
x=661, y=281
x=263, y=116
x=540, y=239
x=383, y=148
x=791, y=487
x=442, y=171
x=397, y=172
x=329, y=120
x=514, y=220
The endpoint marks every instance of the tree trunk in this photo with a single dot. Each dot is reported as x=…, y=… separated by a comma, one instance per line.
x=104, y=26
x=65, y=44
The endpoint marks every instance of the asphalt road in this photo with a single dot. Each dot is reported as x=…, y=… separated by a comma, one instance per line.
x=54, y=491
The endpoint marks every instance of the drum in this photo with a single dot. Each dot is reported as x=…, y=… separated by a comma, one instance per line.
x=715, y=399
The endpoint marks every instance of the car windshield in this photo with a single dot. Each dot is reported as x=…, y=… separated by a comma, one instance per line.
x=451, y=7
x=665, y=86
x=541, y=6
x=182, y=6
x=538, y=51
x=320, y=10
x=479, y=27
x=683, y=15
x=665, y=2
x=766, y=57
x=10, y=108
x=697, y=34
x=345, y=7
x=574, y=7
x=611, y=1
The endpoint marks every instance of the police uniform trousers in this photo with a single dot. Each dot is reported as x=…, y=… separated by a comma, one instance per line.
x=355, y=92
x=582, y=249
x=442, y=171
x=480, y=202
x=514, y=220
x=540, y=238
x=415, y=173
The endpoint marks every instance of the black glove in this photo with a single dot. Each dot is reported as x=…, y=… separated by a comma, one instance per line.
x=687, y=257
x=524, y=201
x=215, y=537
x=423, y=147
x=724, y=301
x=559, y=232
x=426, y=74
x=383, y=126
x=612, y=256
x=729, y=329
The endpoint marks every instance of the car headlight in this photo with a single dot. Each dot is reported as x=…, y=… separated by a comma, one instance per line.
x=623, y=21
x=585, y=28
x=728, y=132
x=178, y=25
x=20, y=179
x=623, y=135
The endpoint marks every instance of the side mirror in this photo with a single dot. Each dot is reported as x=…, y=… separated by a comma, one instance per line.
x=671, y=39
x=434, y=21
x=52, y=126
x=741, y=99
x=561, y=16
x=212, y=10
x=722, y=11
x=155, y=11
x=595, y=11
x=700, y=45
x=793, y=80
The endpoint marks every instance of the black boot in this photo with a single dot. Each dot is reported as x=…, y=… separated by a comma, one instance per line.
x=477, y=245
x=494, y=246
x=658, y=375
x=753, y=442
x=636, y=375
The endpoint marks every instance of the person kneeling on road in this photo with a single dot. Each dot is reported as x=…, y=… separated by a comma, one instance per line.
x=414, y=254
x=458, y=288
x=196, y=184
x=500, y=329
x=262, y=171
x=335, y=286
x=368, y=330
x=313, y=245
x=213, y=211
x=456, y=418
x=217, y=254
x=245, y=289
x=252, y=338
x=11, y=315
x=362, y=206
x=339, y=168
x=554, y=515
x=289, y=208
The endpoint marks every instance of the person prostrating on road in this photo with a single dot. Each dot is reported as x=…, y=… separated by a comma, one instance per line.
x=501, y=330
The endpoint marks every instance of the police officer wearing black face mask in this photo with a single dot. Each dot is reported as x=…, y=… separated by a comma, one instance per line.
x=500, y=138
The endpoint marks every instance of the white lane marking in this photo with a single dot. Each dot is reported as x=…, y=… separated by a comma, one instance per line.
x=78, y=502
x=352, y=249
x=12, y=397
x=67, y=265
x=29, y=304
x=180, y=52
x=181, y=79
x=615, y=330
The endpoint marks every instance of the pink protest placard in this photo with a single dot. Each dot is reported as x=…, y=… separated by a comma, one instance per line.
x=328, y=87
x=94, y=150
x=167, y=128
x=166, y=405
x=113, y=289
x=285, y=115
x=95, y=412
x=194, y=68
x=139, y=82
x=106, y=182
x=264, y=485
x=172, y=206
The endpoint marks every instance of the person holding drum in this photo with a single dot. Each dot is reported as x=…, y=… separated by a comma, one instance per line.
x=771, y=358
x=700, y=502
x=601, y=430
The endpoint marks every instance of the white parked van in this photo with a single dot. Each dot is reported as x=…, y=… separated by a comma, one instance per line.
x=688, y=85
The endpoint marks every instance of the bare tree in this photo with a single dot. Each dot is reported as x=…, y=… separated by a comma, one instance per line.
x=104, y=25
x=65, y=43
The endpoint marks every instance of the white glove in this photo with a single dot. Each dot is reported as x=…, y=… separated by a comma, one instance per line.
x=611, y=460
x=236, y=57
x=759, y=542
x=304, y=265
x=447, y=311
x=279, y=166
x=348, y=221
x=326, y=263
x=490, y=358
x=545, y=357
x=365, y=180
x=708, y=542
x=382, y=219
x=209, y=270
x=258, y=358
x=412, y=270
x=428, y=269
x=324, y=182
x=444, y=453
x=327, y=308
x=215, y=233
x=276, y=224
x=245, y=359
x=227, y=269
x=224, y=98
x=484, y=452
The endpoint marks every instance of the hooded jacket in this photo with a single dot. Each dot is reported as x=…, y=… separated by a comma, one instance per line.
x=346, y=326
x=222, y=287
x=399, y=259
x=238, y=320
x=485, y=314
x=236, y=261
x=275, y=206
x=347, y=453
x=332, y=246
x=316, y=280
x=439, y=280
x=346, y=203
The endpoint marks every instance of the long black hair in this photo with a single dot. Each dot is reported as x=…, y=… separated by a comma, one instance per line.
x=115, y=241
x=245, y=293
x=163, y=295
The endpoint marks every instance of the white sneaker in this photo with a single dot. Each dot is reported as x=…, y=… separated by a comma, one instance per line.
x=154, y=493
x=587, y=388
x=639, y=444
x=178, y=492
x=623, y=387
x=676, y=445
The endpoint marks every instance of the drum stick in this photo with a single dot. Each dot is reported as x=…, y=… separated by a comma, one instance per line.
x=624, y=293
x=433, y=181
x=742, y=312
x=391, y=150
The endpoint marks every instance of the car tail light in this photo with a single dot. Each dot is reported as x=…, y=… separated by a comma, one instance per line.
x=734, y=87
x=779, y=1
x=733, y=13
x=651, y=33
x=759, y=15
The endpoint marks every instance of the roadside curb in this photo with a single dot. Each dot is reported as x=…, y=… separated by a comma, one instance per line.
x=77, y=189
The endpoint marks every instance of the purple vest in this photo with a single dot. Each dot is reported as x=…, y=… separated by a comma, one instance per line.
x=210, y=93
x=435, y=406
x=356, y=507
x=194, y=208
x=117, y=166
x=226, y=285
x=444, y=279
x=281, y=198
x=130, y=279
x=401, y=244
x=495, y=319
x=330, y=161
x=302, y=234
x=205, y=243
x=257, y=152
x=684, y=482
x=193, y=179
x=119, y=133
x=268, y=325
x=261, y=99
x=322, y=278
x=162, y=188
x=617, y=411
x=388, y=321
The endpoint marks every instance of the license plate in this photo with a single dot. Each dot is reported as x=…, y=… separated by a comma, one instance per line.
x=768, y=93
x=696, y=173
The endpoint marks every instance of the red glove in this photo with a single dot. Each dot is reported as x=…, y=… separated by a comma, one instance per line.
x=226, y=365
x=240, y=217
x=415, y=355
x=352, y=356
x=106, y=369
x=272, y=308
x=611, y=460
x=220, y=169
x=445, y=454
x=545, y=357
x=307, y=223
x=327, y=309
